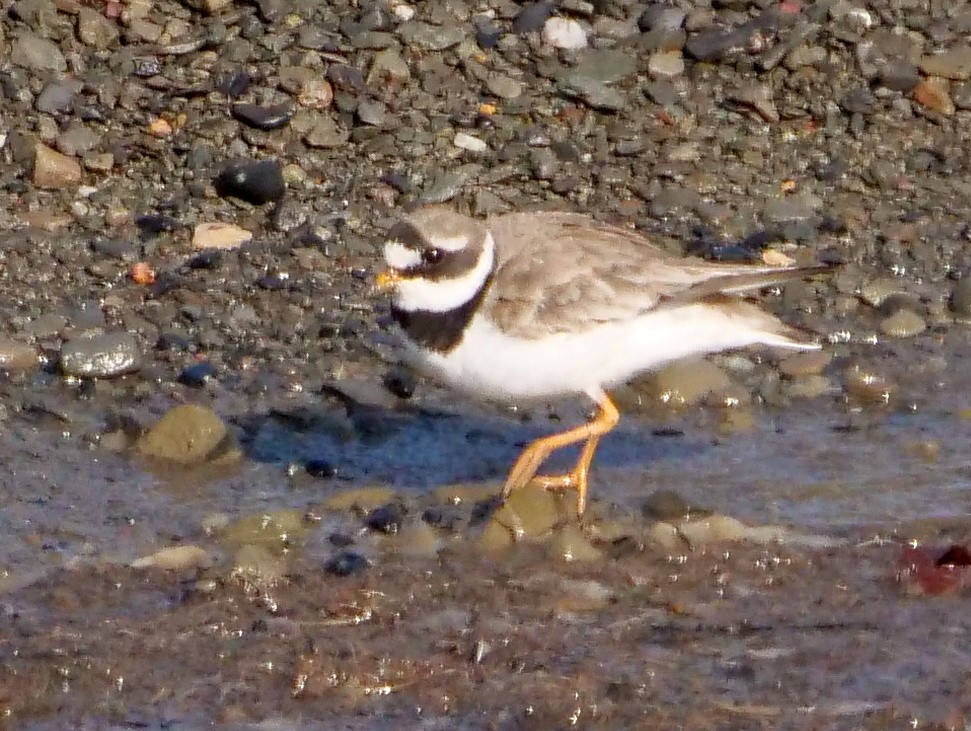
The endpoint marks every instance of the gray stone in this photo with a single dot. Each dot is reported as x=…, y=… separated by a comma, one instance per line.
x=94, y=29
x=57, y=96
x=37, y=54
x=504, y=87
x=432, y=37
x=100, y=355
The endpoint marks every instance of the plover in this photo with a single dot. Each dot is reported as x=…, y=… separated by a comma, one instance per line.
x=528, y=306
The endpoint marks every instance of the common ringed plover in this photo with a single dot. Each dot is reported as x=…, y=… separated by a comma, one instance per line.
x=524, y=306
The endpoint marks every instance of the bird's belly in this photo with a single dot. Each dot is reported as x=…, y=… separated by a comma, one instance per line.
x=493, y=365
x=489, y=364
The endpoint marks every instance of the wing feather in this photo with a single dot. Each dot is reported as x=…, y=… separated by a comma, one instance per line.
x=563, y=272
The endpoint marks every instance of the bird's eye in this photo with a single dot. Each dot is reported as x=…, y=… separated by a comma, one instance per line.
x=432, y=256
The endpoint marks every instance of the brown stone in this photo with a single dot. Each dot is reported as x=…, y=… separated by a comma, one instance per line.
x=54, y=170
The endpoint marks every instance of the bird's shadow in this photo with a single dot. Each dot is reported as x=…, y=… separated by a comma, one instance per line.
x=422, y=447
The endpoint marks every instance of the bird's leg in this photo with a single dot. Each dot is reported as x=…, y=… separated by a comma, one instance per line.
x=524, y=470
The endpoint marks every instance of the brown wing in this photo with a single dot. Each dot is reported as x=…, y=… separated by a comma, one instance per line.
x=562, y=272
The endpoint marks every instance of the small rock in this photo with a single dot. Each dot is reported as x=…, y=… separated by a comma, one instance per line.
x=175, y=558
x=37, y=54
x=387, y=518
x=805, y=364
x=100, y=355
x=17, y=357
x=372, y=112
x=933, y=93
x=187, y=435
x=961, y=299
x=263, y=117
x=346, y=563
x=903, y=323
x=54, y=170
x=365, y=498
x=532, y=17
x=388, y=65
x=564, y=33
x=665, y=65
x=466, y=141
x=571, y=545
x=209, y=7
x=94, y=29
x=685, y=383
x=503, y=87
x=219, y=236
x=955, y=63
x=57, y=96
x=257, y=566
x=254, y=181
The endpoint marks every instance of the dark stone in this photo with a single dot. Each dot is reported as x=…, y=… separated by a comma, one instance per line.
x=265, y=118
x=320, y=468
x=532, y=17
x=208, y=259
x=254, y=181
x=400, y=382
x=386, y=519
x=151, y=224
x=346, y=563
x=234, y=84
x=197, y=375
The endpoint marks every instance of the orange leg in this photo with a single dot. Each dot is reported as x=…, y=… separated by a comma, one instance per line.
x=524, y=470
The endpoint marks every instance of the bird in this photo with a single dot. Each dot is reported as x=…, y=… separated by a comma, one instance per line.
x=537, y=305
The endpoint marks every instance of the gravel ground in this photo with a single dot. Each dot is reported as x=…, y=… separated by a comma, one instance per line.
x=192, y=200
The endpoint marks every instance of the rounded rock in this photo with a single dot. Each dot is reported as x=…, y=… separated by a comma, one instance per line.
x=100, y=355
x=254, y=181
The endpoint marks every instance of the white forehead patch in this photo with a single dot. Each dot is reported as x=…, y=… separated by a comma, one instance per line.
x=399, y=256
x=454, y=243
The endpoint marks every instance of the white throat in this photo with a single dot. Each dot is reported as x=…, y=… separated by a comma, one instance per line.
x=447, y=294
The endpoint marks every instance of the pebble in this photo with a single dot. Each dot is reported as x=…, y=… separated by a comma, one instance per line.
x=219, y=236
x=17, y=357
x=805, y=364
x=257, y=567
x=503, y=87
x=571, y=545
x=934, y=93
x=665, y=65
x=903, y=323
x=564, y=33
x=209, y=7
x=960, y=300
x=364, y=499
x=955, y=63
x=466, y=141
x=96, y=30
x=388, y=66
x=532, y=17
x=175, y=558
x=685, y=383
x=100, y=355
x=263, y=117
x=57, y=96
x=254, y=181
x=186, y=435
x=347, y=563
x=53, y=170
x=276, y=530
x=429, y=37
x=37, y=54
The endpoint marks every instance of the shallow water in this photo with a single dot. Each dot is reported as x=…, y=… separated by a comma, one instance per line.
x=731, y=637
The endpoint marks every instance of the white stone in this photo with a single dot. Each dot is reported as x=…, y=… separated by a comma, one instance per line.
x=564, y=33
x=468, y=142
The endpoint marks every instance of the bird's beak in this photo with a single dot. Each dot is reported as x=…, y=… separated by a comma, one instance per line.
x=387, y=280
